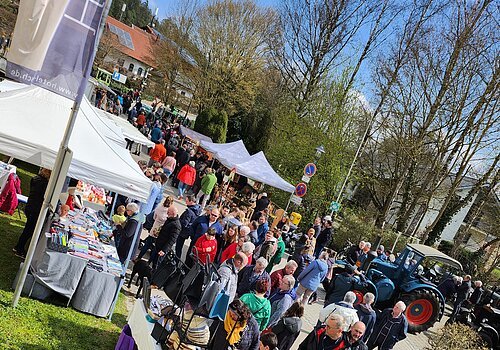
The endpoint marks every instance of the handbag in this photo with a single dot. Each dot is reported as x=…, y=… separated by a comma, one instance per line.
x=220, y=307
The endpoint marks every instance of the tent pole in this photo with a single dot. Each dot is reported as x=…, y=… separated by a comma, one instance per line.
x=288, y=204
x=58, y=166
x=113, y=206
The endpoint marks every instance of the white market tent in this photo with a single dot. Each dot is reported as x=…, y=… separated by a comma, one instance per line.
x=193, y=135
x=128, y=130
x=234, y=155
x=258, y=168
x=229, y=154
x=32, y=124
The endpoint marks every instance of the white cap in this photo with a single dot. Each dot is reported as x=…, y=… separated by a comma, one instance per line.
x=327, y=218
x=264, y=194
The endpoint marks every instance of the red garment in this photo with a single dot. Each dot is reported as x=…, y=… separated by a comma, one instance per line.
x=276, y=278
x=229, y=252
x=8, y=198
x=158, y=153
x=205, y=247
x=141, y=120
x=69, y=202
x=187, y=175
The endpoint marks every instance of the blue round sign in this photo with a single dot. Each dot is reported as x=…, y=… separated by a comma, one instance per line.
x=310, y=169
x=301, y=189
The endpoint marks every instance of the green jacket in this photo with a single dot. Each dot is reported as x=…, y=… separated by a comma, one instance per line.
x=276, y=259
x=260, y=308
x=208, y=183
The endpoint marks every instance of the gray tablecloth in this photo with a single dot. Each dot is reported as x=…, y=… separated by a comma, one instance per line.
x=89, y=290
x=57, y=271
x=95, y=292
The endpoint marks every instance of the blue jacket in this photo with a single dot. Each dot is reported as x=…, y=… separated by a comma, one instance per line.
x=313, y=274
x=200, y=227
x=280, y=302
x=247, y=281
x=261, y=232
x=156, y=190
x=368, y=316
x=156, y=134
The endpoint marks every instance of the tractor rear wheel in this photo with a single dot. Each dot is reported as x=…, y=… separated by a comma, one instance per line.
x=422, y=310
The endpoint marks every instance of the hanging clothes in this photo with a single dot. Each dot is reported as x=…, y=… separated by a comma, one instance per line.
x=8, y=196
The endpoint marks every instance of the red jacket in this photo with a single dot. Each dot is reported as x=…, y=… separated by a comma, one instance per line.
x=187, y=175
x=229, y=252
x=205, y=247
x=8, y=198
x=158, y=153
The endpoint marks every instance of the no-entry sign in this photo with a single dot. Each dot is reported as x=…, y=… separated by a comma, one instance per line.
x=301, y=189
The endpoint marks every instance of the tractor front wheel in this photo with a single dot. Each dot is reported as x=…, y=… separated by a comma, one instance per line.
x=422, y=310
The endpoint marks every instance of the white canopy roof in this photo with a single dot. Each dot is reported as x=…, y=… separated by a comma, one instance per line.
x=194, y=135
x=229, y=154
x=256, y=167
x=32, y=124
x=128, y=130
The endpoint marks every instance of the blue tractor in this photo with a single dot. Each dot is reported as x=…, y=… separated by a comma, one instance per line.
x=409, y=278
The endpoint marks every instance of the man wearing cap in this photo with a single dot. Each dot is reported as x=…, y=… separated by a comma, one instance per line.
x=261, y=204
x=324, y=236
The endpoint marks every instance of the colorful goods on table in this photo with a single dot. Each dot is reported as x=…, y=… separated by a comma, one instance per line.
x=91, y=193
x=85, y=234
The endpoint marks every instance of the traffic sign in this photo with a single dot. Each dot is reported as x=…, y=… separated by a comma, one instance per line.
x=310, y=169
x=296, y=199
x=334, y=206
x=301, y=189
x=306, y=179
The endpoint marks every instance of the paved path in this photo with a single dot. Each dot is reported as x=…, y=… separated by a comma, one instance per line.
x=413, y=342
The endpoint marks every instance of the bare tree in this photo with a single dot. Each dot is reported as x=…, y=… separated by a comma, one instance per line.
x=316, y=36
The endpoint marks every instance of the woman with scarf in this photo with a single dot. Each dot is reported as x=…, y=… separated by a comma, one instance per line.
x=239, y=330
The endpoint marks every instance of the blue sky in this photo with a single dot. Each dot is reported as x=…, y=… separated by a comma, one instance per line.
x=166, y=6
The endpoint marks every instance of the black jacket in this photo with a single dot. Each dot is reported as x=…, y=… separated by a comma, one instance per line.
x=261, y=204
x=168, y=234
x=341, y=284
x=314, y=340
x=188, y=217
x=287, y=330
x=463, y=290
x=182, y=157
x=476, y=295
x=353, y=254
x=38, y=185
x=359, y=345
x=324, y=236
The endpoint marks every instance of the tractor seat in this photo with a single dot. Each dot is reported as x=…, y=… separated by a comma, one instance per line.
x=377, y=276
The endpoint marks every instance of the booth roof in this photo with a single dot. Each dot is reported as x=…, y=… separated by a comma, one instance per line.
x=194, y=135
x=128, y=130
x=32, y=124
x=256, y=167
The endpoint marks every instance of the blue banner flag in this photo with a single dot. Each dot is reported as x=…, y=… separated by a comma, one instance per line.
x=53, y=44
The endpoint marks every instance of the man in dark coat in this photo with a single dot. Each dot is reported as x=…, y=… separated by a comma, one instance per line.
x=366, y=314
x=38, y=185
x=477, y=293
x=168, y=235
x=182, y=157
x=187, y=218
x=324, y=238
x=125, y=235
x=261, y=204
x=448, y=287
x=463, y=292
x=391, y=327
x=353, y=253
x=354, y=337
x=342, y=283
x=249, y=275
x=328, y=337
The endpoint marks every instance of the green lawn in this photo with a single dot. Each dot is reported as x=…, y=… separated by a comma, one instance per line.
x=38, y=325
